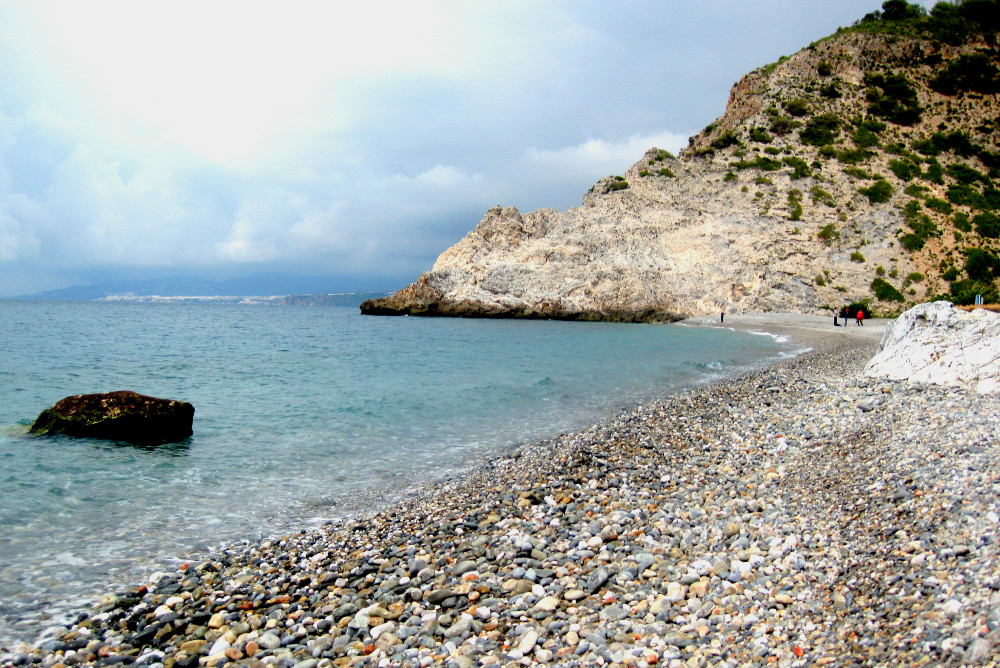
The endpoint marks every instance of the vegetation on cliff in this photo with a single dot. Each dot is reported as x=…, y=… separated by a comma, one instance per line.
x=901, y=109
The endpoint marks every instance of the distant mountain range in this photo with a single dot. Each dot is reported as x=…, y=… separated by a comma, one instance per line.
x=311, y=289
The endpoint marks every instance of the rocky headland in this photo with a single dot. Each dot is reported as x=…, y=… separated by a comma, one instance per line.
x=862, y=168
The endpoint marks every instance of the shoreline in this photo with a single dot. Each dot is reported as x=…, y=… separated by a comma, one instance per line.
x=806, y=329
x=688, y=528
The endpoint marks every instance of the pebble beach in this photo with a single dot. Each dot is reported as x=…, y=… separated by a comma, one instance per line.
x=798, y=515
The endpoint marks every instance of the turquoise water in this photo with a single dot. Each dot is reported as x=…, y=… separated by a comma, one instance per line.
x=302, y=414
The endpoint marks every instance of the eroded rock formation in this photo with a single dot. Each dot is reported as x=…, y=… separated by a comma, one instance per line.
x=940, y=344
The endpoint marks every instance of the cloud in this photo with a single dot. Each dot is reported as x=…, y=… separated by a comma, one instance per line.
x=17, y=240
x=596, y=158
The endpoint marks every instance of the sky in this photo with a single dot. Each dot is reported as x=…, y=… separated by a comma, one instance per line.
x=148, y=139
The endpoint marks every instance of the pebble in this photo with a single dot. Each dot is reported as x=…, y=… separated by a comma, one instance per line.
x=797, y=515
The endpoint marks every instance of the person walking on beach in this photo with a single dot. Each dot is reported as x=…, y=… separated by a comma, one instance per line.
x=835, y=323
x=722, y=317
x=860, y=318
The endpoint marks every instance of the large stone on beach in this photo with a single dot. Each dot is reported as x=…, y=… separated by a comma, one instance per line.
x=940, y=344
x=120, y=416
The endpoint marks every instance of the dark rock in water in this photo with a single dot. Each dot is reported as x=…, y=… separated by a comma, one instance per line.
x=120, y=416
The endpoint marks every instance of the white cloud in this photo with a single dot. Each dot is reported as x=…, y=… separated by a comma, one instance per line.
x=17, y=240
x=226, y=78
x=441, y=176
x=600, y=157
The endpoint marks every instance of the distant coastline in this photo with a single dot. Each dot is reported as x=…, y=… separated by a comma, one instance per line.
x=349, y=299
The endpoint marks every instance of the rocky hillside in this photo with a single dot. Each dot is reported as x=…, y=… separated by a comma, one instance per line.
x=864, y=168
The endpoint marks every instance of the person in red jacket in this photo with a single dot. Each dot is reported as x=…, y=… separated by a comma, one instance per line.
x=860, y=317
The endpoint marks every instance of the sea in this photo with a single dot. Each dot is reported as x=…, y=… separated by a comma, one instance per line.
x=304, y=415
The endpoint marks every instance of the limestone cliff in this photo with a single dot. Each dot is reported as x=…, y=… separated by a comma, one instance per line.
x=859, y=169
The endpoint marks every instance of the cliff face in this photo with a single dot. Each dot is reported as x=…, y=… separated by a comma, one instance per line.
x=853, y=170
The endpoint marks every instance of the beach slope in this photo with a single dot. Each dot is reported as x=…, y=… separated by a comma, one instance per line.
x=797, y=515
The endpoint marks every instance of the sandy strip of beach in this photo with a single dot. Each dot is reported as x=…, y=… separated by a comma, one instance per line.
x=798, y=515
x=807, y=329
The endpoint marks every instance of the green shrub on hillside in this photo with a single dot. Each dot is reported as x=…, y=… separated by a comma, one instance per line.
x=794, y=204
x=760, y=135
x=921, y=224
x=878, y=193
x=852, y=156
x=821, y=130
x=760, y=162
x=797, y=107
x=991, y=198
x=863, y=138
x=961, y=221
x=903, y=169
x=617, y=183
x=665, y=172
x=976, y=73
x=820, y=195
x=870, y=123
x=950, y=22
x=912, y=242
x=939, y=205
x=767, y=69
x=800, y=168
x=987, y=225
x=934, y=173
x=859, y=173
x=981, y=265
x=892, y=97
x=830, y=91
x=726, y=139
x=966, y=175
x=824, y=69
x=829, y=233
x=782, y=125
x=963, y=195
x=953, y=23
x=885, y=292
x=856, y=256
x=956, y=142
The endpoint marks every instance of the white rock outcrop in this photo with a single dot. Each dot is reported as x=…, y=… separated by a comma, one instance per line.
x=940, y=344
